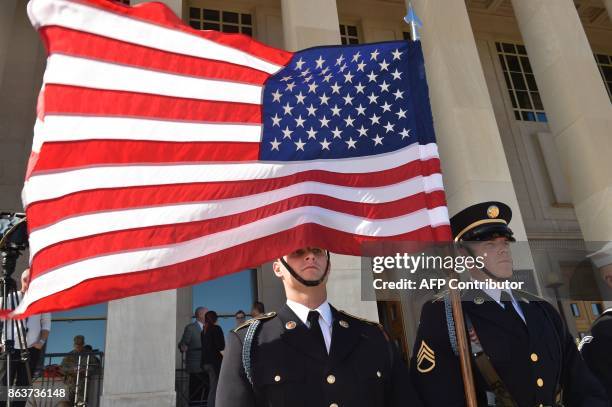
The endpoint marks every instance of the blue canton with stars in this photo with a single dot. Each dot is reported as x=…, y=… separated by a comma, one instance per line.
x=347, y=101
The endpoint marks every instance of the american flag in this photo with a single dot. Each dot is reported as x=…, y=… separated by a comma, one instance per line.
x=164, y=156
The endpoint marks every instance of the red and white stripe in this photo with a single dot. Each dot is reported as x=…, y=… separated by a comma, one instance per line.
x=144, y=172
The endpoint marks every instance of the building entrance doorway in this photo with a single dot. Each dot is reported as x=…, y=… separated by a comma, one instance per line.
x=391, y=317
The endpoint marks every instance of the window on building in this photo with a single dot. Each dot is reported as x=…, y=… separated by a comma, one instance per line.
x=349, y=34
x=522, y=87
x=407, y=35
x=575, y=310
x=226, y=295
x=596, y=309
x=604, y=62
x=220, y=20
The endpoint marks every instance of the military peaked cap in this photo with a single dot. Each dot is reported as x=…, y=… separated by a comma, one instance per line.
x=482, y=221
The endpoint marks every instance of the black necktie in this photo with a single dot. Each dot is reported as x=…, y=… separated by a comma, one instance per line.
x=506, y=299
x=315, y=329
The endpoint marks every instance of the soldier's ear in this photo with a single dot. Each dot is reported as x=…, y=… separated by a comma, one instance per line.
x=277, y=267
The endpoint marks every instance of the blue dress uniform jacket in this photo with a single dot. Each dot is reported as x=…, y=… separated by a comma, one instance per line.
x=289, y=369
x=597, y=352
x=534, y=359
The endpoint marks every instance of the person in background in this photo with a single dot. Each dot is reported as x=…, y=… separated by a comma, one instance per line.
x=73, y=367
x=257, y=309
x=596, y=348
x=213, y=343
x=191, y=345
x=37, y=328
x=240, y=317
x=92, y=361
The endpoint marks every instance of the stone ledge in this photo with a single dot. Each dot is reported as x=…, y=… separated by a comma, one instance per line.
x=157, y=399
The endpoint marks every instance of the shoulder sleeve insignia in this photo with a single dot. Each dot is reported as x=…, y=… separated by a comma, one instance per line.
x=426, y=358
x=264, y=317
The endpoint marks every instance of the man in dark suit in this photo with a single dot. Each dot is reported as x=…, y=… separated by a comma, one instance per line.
x=191, y=345
x=310, y=354
x=522, y=354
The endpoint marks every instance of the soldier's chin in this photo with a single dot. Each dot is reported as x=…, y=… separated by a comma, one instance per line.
x=310, y=274
x=503, y=271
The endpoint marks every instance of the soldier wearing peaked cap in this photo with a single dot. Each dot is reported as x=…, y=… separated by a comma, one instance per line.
x=310, y=354
x=596, y=348
x=522, y=354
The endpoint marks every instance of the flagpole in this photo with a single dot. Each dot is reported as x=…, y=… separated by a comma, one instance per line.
x=463, y=348
x=462, y=343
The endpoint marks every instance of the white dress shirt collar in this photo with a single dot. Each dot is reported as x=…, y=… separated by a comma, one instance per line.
x=495, y=293
x=302, y=312
x=325, y=318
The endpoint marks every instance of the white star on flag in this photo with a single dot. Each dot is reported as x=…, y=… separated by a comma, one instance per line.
x=299, y=145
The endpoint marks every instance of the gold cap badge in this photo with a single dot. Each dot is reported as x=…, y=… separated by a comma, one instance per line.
x=492, y=211
x=426, y=358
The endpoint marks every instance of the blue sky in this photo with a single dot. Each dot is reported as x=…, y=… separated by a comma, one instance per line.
x=224, y=295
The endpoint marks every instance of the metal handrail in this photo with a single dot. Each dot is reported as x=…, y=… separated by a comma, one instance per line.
x=77, y=377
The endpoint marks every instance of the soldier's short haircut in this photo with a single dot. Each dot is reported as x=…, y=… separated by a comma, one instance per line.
x=259, y=306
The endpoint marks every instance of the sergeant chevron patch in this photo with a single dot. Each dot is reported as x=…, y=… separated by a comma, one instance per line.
x=426, y=358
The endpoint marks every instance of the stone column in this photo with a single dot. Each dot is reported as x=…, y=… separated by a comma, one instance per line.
x=184, y=313
x=471, y=151
x=140, y=351
x=577, y=106
x=7, y=18
x=22, y=61
x=308, y=24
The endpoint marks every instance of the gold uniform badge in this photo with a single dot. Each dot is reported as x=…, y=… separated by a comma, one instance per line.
x=492, y=211
x=426, y=358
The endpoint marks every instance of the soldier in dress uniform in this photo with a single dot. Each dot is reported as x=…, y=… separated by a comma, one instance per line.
x=522, y=354
x=310, y=354
x=596, y=348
